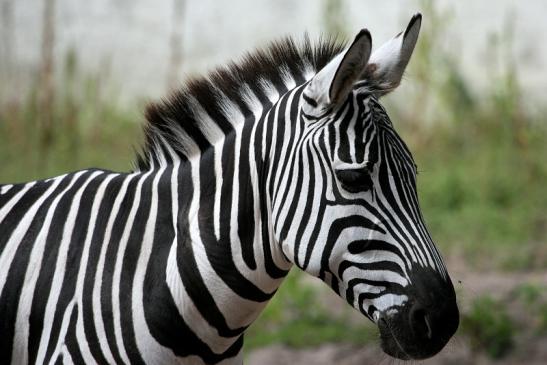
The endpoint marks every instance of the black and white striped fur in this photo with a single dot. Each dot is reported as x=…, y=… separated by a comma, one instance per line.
x=284, y=158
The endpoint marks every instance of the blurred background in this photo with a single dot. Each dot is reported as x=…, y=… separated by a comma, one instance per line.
x=75, y=76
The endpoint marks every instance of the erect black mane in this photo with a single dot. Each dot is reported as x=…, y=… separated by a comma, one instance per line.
x=176, y=122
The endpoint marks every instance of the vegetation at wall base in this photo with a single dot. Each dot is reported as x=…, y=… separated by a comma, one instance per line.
x=297, y=317
x=488, y=327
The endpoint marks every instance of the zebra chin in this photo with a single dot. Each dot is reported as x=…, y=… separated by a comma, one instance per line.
x=424, y=324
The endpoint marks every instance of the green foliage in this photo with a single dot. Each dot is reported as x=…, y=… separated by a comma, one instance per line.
x=534, y=300
x=542, y=315
x=89, y=129
x=529, y=294
x=488, y=327
x=296, y=317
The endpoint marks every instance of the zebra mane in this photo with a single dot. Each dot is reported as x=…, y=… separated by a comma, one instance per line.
x=207, y=107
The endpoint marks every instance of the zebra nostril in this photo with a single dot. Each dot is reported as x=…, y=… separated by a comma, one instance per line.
x=420, y=321
x=429, y=330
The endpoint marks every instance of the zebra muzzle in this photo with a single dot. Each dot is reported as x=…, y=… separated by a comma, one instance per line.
x=422, y=326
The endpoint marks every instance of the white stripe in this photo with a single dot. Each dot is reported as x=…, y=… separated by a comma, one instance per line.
x=218, y=190
x=389, y=300
x=287, y=78
x=5, y=189
x=207, y=126
x=271, y=92
x=351, y=129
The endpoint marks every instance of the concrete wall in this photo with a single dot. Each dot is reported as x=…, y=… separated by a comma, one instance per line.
x=128, y=40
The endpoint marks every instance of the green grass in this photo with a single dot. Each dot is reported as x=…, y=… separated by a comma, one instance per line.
x=296, y=317
x=542, y=315
x=533, y=299
x=529, y=294
x=94, y=134
x=488, y=327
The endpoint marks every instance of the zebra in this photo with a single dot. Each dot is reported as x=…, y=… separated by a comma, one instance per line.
x=284, y=158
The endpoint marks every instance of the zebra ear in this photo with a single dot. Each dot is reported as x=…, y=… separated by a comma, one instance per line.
x=388, y=63
x=333, y=82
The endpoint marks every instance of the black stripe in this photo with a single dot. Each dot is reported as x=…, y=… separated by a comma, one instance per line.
x=309, y=100
x=7, y=196
x=336, y=229
x=245, y=222
x=18, y=211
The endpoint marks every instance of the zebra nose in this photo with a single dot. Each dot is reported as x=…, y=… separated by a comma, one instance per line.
x=435, y=323
x=420, y=321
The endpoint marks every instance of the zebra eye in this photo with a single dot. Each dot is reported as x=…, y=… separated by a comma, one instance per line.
x=355, y=181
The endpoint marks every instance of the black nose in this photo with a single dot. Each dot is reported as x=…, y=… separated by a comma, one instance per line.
x=420, y=321
x=423, y=326
x=433, y=323
x=432, y=315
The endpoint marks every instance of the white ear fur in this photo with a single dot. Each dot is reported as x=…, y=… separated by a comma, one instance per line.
x=334, y=82
x=388, y=63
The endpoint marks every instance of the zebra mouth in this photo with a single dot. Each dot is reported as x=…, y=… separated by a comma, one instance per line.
x=413, y=334
x=389, y=343
x=423, y=325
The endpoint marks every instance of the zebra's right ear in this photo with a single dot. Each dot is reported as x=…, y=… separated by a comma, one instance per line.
x=333, y=83
x=388, y=63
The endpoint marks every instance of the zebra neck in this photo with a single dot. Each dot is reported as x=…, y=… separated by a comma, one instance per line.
x=224, y=265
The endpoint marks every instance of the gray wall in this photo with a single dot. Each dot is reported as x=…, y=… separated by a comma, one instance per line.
x=128, y=40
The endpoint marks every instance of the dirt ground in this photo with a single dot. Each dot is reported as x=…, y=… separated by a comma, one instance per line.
x=529, y=347
x=456, y=353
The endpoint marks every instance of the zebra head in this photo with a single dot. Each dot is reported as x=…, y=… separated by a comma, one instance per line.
x=356, y=222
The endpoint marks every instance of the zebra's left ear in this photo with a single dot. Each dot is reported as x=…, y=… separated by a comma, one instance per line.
x=333, y=82
x=388, y=63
